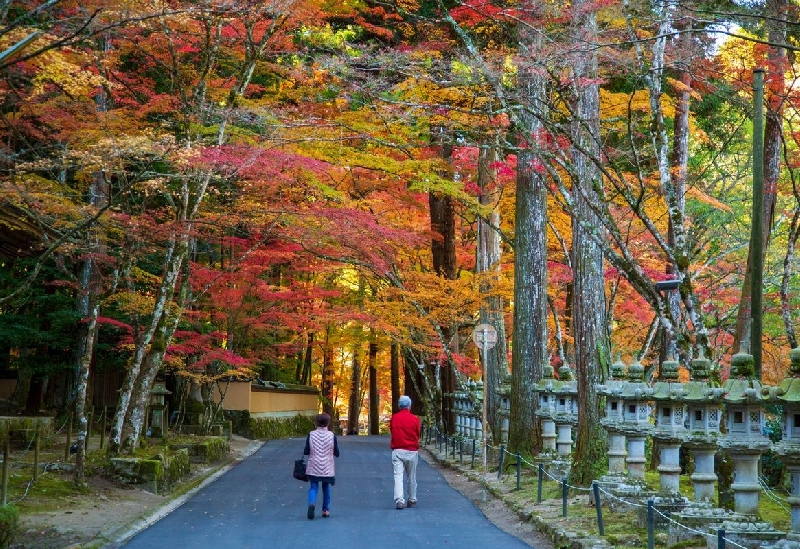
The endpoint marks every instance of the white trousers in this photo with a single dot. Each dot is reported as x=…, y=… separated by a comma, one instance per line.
x=404, y=462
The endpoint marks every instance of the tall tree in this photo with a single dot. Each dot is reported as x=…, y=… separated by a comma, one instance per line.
x=529, y=350
x=592, y=345
x=488, y=262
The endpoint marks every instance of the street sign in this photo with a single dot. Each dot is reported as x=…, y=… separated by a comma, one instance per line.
x=484, y=336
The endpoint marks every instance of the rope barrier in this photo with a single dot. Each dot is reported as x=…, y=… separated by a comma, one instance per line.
x=605, y=492
x=697, y=532
x=772, y=495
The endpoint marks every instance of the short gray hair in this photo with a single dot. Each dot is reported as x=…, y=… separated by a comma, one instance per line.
x=404, y=402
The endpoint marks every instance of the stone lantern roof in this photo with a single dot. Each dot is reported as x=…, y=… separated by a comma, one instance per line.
x=668, y=388
x=788, y=391
x=700, y=388
x=741, y=388
x=551, y=391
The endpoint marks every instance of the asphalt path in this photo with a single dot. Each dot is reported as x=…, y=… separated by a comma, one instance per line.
x=257, y=504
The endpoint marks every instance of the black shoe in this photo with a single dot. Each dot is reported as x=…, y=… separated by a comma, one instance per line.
x=310, y=513
x=399, y=505
x=411, y=503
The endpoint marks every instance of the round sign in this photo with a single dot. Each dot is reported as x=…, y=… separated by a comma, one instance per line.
x=484, y=336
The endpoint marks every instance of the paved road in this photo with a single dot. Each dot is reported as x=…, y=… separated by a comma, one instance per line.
x=258, y=504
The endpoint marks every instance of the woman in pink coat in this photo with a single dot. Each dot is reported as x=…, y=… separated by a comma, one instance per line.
x=321, y=448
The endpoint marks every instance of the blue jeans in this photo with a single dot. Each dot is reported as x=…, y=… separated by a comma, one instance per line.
x=326, y=493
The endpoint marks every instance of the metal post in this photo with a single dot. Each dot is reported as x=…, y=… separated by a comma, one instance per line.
x=596, y=491
x=564, y=497
x=519, y=469
x=651, y=542
x=720, y=539
x=541, y=479
x=757, y=227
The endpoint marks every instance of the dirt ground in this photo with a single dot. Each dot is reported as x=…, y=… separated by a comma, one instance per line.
x=497, y=511
x=108, y=512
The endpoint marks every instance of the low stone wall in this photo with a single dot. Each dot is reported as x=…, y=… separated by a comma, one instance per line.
x=206, y=451
x=265, y=428
x=157, y=474
x=22, y=428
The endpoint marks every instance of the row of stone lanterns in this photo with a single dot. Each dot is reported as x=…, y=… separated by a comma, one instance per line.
x=691, y=415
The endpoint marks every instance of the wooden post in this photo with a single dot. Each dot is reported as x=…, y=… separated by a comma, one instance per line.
x=69, y=438
x=88, y=429
x=4, y=484
x=36, y=443
x=103, y=429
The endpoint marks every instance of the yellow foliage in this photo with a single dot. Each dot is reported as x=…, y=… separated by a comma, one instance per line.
x=66, y=72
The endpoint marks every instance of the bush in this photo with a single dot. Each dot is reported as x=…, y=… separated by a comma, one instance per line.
x=273, y=428
x=9, y=524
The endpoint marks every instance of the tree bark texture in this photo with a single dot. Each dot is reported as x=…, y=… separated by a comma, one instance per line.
x=488, y=260
x=592, y=348
x=529, y=352
x=443, y=252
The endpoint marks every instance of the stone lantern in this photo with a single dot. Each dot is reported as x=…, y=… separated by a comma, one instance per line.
x=787, y=394
x=614, y=416
x=669, y=431
x=565, y=413
x=158, y=414
x=744, y=438
x=546, y=409
x=704, y=411
x=636, y=396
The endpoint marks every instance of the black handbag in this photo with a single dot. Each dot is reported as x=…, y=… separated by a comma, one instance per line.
x=300, y=469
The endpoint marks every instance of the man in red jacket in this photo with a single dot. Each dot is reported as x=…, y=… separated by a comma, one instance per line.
x=405, y=429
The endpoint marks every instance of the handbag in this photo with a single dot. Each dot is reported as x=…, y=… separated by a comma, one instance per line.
x=300, y=469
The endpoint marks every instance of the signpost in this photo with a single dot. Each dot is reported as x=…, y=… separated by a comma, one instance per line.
x=485, y=337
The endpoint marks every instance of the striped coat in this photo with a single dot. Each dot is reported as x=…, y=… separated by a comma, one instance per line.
x=321, y=448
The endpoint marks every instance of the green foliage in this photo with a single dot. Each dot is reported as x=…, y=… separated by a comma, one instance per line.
x=9, y=524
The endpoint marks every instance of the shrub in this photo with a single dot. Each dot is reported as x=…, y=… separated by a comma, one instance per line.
x=9, y=524
x=273, y=428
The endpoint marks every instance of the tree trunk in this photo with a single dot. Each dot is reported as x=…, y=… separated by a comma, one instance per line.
x=592, y=348
x=678, y=174
x=488, y=260
x=82, y=384
x=529, y=352
x=374, y=398
x=443, y=252
x=395, y=367
x=354, y=408
x=327, y=376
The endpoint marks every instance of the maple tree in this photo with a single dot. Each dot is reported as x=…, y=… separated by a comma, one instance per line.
x=252, y=191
